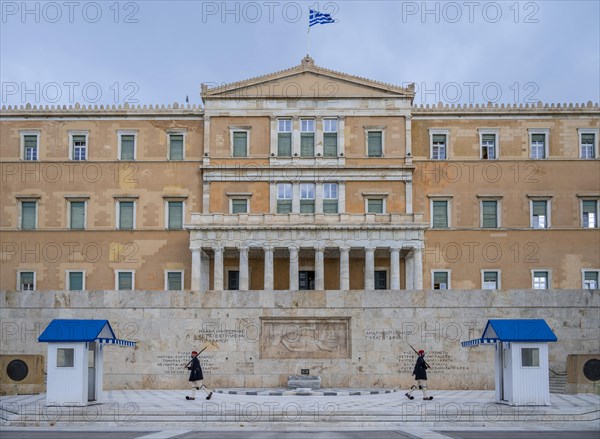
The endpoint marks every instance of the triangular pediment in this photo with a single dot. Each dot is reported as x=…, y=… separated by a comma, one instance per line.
x=307, y=81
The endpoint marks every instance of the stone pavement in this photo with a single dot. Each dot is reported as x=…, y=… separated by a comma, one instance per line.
x=157, y=410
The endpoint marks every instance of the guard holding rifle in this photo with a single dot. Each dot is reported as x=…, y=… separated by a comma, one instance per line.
x=196, y=376
x=420, y=373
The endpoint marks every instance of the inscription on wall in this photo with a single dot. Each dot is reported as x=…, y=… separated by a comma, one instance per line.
x=440, y=361
x=307, y=338
x=173, y=364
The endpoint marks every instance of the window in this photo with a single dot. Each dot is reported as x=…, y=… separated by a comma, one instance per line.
x=490, y=280
x=530, y=357
x=439, y=144
x=284, y=198
x=65, y=357
x=439, y=214
x=588, y=143
x=75, y=280
x=375, y=205
x=330, y=198
x=173, y=280
x=330, y=139
x=489, y=148
x=30, y=145
x=489, y=214
x=381, y=280
x=127, y=144
x=538, y=143
x=440, y=280
x=176, y=146
x=28, y=215
x=589, y=214
x=125, y=280
x=26, y=280
x=541, y=280
x=239, y=205
x=76, y=215
x=307, y=137
x=307, y=198
x=284, y=138
x=174, y=215
x=240, y=143
x=78, y=145
x=375, y=143
x=233, y=280
x=126, y=215
x=590, y=279
x=539, y=214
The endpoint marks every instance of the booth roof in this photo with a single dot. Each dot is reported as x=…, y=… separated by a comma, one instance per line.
x=73, y=331
x=514, y=330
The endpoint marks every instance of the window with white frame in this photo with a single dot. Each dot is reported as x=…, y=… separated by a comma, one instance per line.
x=173, y=280
x=590, y=279
x=530, y=357
x=589, y=214
x=127, y=145
x=78, y=142
x=588, y=143
x=490, y=279
x=438, y=148
x=75, y=280
x=124, y=279
x=30, y=145
x=65, y=357
x=28, y=215
x=440, y=214
x=489, y=144
x=374, y=142
x=375, y=204
x=175, y=211
x=126, y=214
x=239, y=205
x=239, y=138
x=541, y=279
x=176, y=146
x=26, y=280
x=330, y=137
x=540, y=218
x=77, y=214
x=284, y=137
x=490, y=214
x=330, y=198
x=307, y=137
x=307, y=198
x=538, y=144
x=440, y=279
x=284, y=198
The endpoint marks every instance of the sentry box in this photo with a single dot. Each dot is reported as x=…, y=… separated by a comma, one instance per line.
x=75, y=355
x=521, y=359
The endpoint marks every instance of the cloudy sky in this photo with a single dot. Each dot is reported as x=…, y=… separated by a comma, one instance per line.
x=159, y=52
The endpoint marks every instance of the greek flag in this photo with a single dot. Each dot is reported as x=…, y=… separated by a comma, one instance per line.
x=317, y=17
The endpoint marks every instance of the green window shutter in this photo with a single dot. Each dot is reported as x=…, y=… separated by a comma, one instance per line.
x=489, y=214
x=75, y=281
x=174, y=281
x=175, y=215
x=239, y=206
x=28, y=209
x=126, y=215
x=284, y=144
x=77, y=215
x=488, y=138
x=30, y=141
x=330, y=206
x=439, y=138
x=284, y=206
x=490, y=276
x=440, y=277
x=125, y=281
x=539, y=207
x=240, y=144
x=330, y=144
x=176, y=147
x=26, y=277
x=538, y=138
x=307, y=144
x=587, y=139
x=375, y=205
x=591, y=275
x=589, y=206
x=307, y=206
x=375, y=143
x=440, y=214
x=127, y=147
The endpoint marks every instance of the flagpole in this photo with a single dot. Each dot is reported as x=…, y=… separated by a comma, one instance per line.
x=308, y=41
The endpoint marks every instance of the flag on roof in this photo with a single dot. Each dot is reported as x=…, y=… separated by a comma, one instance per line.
x=317, y=17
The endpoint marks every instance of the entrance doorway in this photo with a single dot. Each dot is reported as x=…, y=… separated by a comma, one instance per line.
x=306, y=280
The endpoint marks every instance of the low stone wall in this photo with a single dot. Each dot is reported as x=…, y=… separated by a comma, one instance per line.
x=260, y=338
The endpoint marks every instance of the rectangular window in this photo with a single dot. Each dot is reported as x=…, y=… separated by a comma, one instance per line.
x=239, y=205
x=440, y=280
x=175, y=146
x=174, y=280
x=77, y=215
x=380, y=280
x=330, y=198
x=538, y=146
x=79, y=147
x=26, y=280
x=589, y=213
x=375, y=143
x=284, y=198
x=240, y=144
x=540, y=280
x=530, y=357
x=28, y=215
x=124, y=280
x=65, y=357
x=587, y=145
x=489, y=214
x=490, y=280
x=233, y=280
x=126, y=215
x=375, y=205
x=330, y=137
x=307, y=137
x=439, y=214
x=488, y=146
x=127, y=146
x=539, y=214
x=307, y=198
x=590, y=280
x=284, y=138
x=30, y=146
x=75, y=279
x=438, y=147
x=175, y=215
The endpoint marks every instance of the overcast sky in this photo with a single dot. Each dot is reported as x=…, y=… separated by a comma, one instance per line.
x=157, y=52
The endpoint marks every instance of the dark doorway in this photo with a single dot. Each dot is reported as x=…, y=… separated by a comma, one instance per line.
x=306, y=280
x=233, y=280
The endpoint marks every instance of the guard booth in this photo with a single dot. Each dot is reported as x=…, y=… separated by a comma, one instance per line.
x=521, y=359
x=75, y=360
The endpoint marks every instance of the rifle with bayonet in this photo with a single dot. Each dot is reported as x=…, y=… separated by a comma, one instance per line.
x=426, y=364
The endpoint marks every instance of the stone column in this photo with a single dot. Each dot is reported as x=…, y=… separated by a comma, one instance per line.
x=409, y=270
x=268, y=268
x=244, y=269
x=418, y=269
x=344, y=268
x=196, y=269
x=369, y=268
x=319, y=268
x=218, y=269
x=294, y=268
x=395, y=268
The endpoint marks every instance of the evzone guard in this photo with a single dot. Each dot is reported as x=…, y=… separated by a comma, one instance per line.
x=196, y=376
x=420, y=373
